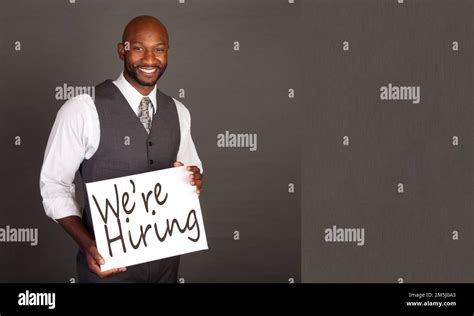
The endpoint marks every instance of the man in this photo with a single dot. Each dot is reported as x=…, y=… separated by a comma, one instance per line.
x=131, y=127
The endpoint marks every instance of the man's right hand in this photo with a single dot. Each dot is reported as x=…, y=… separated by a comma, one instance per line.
x=76, y=229
x=94, y=260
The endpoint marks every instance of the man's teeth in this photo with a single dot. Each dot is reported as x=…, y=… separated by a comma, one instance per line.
x=148, y=71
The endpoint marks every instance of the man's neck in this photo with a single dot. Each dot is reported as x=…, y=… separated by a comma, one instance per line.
x=144, y=90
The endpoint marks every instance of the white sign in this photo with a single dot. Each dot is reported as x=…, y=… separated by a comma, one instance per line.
x=145, y=217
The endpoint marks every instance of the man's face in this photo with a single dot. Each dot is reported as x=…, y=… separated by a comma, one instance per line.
x=145, y=55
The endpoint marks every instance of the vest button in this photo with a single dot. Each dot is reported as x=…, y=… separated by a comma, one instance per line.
x=151, y=162
x=150, y=143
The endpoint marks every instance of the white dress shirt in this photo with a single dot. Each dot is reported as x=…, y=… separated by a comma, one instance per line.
x=75, y=136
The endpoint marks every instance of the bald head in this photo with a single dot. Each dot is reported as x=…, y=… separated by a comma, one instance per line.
x=144, y=51
x=143, y=23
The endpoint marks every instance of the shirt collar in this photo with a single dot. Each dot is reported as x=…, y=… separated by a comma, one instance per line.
x=131, y=94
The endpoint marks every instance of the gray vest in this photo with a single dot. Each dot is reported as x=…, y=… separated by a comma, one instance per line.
x=125, y=148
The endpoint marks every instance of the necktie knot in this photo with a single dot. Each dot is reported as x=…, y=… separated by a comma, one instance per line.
x=144, y=113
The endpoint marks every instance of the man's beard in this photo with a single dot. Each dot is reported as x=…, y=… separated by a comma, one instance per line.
x=132, y=72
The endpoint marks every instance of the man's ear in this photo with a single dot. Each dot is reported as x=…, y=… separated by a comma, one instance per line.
x=121, y=48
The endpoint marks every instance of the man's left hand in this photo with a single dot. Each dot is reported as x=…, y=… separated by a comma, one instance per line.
x=195, y=176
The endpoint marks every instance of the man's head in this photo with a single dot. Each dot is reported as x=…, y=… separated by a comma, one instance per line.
x=144, y=51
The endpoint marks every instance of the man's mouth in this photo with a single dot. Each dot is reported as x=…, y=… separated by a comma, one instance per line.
x=148, y=70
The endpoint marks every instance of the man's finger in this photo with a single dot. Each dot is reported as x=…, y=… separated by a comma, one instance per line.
x=178, y=164
x=94, y=267
x=198, y=187
x=197, y=183
x=112, y=272
x=96, y=255
x=193, y=169
x=108, y=273
x=195, y=176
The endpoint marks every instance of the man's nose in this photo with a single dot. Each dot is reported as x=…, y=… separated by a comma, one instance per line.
x=149, y=57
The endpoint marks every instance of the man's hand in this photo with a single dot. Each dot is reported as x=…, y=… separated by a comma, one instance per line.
x=94, y=260
x=195, y=178
x=75, y=228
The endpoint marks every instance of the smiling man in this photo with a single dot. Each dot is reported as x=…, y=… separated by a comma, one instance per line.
x=131, y=127
x=145, y=53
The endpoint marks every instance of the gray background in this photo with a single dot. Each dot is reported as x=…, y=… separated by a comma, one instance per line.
x=282, y=46
x=408, y=235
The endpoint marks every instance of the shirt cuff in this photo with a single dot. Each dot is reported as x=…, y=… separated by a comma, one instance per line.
x=60, y=207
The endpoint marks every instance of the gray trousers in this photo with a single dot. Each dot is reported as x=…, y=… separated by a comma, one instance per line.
x=159, y=271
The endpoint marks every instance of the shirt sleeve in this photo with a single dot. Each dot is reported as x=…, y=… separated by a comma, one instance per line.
x=66, y=149
x=187, y=153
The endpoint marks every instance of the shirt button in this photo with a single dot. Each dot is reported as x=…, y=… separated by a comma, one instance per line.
x=150, y=143
x=151, y=162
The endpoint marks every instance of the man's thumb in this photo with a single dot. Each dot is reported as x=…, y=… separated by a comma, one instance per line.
x=96, y=255
x=98, y=258
x=178, y=164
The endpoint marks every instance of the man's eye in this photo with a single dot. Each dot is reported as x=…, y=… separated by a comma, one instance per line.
x=137, y=48
x=160, y=50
